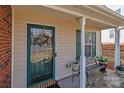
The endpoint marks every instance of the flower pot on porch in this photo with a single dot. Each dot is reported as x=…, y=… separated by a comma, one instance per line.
x=120, y=71
x=75, y=66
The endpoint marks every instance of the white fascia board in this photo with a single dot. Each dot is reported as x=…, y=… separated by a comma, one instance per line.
x=113, y=13
x=105, y=14
x=79, y=14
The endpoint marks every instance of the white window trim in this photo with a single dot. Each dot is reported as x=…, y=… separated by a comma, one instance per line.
x=110, y=33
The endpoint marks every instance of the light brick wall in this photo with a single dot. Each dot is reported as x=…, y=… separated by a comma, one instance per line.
x=5, y=45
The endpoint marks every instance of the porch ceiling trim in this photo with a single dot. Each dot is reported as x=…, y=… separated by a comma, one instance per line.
x=98, y=8
x=113, y=15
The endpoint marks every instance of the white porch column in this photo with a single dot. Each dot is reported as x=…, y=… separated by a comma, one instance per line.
x=82, y=57
x=117, y=48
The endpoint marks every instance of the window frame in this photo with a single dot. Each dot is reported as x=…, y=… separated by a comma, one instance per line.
x=111, y=34
x=91, y=44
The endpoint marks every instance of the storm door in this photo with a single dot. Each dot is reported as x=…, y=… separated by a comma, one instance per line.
x=40, y=53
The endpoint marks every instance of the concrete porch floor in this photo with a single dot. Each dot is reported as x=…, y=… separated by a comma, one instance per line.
x=110, y=80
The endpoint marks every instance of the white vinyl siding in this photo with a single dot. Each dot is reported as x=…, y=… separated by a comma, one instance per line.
x=65, y=42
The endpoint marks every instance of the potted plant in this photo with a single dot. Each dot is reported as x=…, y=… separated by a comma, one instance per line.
x=75, y=65
x=102, y=62
x=120, y=71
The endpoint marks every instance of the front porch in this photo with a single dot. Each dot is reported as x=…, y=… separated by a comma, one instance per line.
x=58, y=25
x=97, y=80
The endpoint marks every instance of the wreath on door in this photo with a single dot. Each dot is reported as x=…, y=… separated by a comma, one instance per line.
x=42, y=39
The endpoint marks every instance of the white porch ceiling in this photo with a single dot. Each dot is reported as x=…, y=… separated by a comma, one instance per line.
x=100, y=16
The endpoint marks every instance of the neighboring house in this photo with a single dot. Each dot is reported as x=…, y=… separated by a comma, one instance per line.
x=47, y=38
x=108, y=36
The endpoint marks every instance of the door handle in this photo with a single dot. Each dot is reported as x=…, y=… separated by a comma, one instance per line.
x=55, y=55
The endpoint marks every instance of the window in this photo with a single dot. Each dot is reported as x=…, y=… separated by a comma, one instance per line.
x=88, y=37
x=112, y=34
x=90, y=44
x=93, y=43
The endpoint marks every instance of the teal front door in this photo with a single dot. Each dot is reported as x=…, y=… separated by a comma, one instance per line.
x=40, y=53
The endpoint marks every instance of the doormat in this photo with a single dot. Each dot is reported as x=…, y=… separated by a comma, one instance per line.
x=47, y=84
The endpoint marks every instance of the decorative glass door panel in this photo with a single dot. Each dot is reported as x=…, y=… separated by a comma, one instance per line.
x=41, y=51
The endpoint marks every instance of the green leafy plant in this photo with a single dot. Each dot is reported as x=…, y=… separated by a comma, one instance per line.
x=102, y=60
